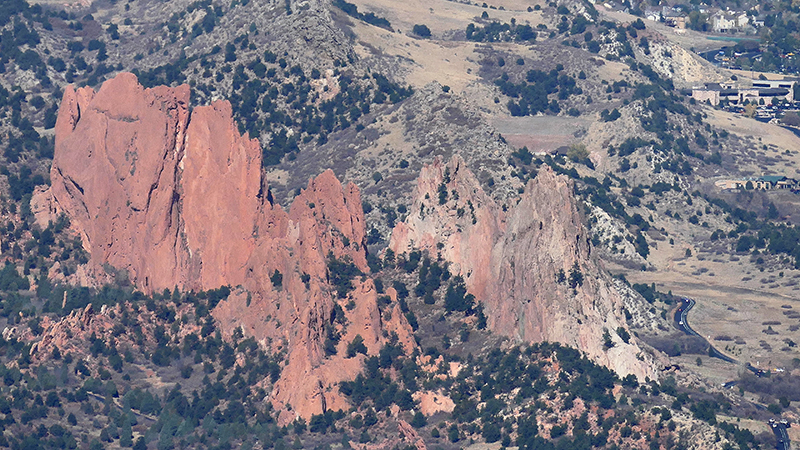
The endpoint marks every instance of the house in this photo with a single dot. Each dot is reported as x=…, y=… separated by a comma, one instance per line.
x=742, y=20
x=724, y=22
x=675, y=19
x=728, y=21
x=653, y=14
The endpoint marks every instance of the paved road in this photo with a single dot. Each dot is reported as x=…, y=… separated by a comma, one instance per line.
x=779, y=428
x=681, y=315
x=681, y=321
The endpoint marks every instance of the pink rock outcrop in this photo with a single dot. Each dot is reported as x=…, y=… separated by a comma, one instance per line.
x=220, y=189
x=325, y=220
x=115, y=172
x=175, y=198
x=510, y=258
x=431, y=402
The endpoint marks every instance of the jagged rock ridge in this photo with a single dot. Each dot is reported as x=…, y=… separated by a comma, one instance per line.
x=511, y=257
x=174, y=198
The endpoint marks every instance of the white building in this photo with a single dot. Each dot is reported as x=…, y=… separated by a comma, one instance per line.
x=653, y=14
x=723, y=22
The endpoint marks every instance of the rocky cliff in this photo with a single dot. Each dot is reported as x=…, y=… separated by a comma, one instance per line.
x=529, y=263
x=152, y=192
x=115, y=173
x=174, y=198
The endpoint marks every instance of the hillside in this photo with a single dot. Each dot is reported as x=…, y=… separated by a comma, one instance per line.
x=378, y=225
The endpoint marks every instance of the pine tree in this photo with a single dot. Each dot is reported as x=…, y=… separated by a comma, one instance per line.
x=126, y=434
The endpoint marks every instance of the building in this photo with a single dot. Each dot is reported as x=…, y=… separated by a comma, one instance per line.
x=763, y=183
x=706, y=95
x=672, y=17
x=786, y=84
x=723, y=22
x=742, y=20
x=779, y=182
x=748, y=95
x=760, y=89
x=675, y=19
x=653, y=14
x=726, y=22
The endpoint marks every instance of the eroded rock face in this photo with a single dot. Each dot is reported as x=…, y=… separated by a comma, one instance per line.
x=175, y=199
x=511, y=257
x=220, y=189
x=325, y=220
x=115, y=174
x=431, y=402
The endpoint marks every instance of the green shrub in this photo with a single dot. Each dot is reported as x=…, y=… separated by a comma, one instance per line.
x=422, y=31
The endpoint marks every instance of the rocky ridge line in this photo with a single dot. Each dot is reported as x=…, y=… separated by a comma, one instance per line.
x=174, y=198
x=530, y=264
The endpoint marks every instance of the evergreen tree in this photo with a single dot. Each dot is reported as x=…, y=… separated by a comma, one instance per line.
x=126, y=434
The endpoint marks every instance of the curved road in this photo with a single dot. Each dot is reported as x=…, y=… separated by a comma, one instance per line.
x=681, y=320
x=681, y=315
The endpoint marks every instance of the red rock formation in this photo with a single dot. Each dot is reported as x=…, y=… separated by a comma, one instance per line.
x=510, y=260
x=431, y=402
x=175, y=199
x=411, y=435
x=325, y=219
x=114, y=173
x=73, y=333
x=220, y=183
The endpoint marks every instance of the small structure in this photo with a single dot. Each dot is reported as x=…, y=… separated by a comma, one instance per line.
x=763, y=183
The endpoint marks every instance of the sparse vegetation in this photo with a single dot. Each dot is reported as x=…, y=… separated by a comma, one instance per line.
x=94, y=393
x=370, y=18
